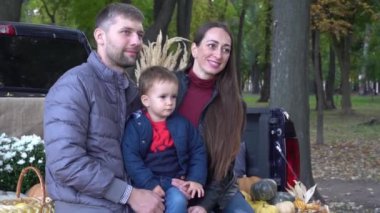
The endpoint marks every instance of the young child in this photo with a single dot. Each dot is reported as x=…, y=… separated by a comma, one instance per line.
x=159, y=145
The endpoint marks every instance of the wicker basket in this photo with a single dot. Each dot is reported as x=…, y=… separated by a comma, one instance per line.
x=28, y=204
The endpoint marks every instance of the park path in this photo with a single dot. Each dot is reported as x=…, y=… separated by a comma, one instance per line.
x=350, y=195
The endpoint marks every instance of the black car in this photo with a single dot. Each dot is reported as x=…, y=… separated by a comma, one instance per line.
x=33, y=57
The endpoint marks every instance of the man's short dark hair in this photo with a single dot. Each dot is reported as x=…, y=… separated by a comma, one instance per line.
x=116, y=9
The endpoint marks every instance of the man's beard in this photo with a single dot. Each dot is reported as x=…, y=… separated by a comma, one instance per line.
x=126, y=62
x=121, y=60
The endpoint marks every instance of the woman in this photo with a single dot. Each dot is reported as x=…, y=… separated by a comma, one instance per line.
x=209, y=96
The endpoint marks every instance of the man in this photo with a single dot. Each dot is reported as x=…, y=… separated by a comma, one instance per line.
x=85, y=114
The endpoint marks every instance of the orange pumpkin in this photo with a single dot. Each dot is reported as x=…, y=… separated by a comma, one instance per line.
x=36, y=191
x=245, y=183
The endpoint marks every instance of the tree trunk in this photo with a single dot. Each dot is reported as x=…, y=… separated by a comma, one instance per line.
x=239, y=40
x=10, y=10
x=289, y=77
x=163, y=11
x=184, y=11
x=342, y=50
x=265, y=89
x=222, y=15
x=330, y=81
x=49, y=12
x=363, y=70
x=255, y=77
x=317, y=67
x=318, y=82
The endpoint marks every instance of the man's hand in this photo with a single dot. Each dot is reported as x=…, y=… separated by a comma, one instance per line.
x=142, y=201
x=196, y=209
x=158, y=190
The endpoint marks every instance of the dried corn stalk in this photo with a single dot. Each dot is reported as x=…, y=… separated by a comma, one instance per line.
x=161, y=54
x=303, y=196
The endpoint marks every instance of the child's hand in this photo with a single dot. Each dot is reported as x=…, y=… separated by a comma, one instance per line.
x=182, y=186
x=158, y=190
x=194, y=188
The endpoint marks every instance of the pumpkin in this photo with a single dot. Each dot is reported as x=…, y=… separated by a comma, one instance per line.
x=281, y=197
x=286, y=207
x=265, y=189
x=245, y=183
x=36, y=191
x=263, y=207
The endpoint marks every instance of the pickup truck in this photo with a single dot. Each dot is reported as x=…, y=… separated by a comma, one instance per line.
x=32, y=57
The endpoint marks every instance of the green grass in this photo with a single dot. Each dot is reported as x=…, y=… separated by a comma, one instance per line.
x=339, y=127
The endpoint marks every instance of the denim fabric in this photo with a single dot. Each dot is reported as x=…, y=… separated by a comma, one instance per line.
x=175, y=201
x=237, y=204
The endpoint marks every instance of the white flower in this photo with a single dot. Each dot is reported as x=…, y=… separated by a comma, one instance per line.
x=29, y=148
x=16, y=153
x=24, y=155
x=6, y=147
x=8, y=168
x=31, y=159
x=32, y=139
x=20, y=162
x=9, y=155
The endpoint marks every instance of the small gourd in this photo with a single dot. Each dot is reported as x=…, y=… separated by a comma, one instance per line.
x=261, y=206
x=265, y=189
x=281, y=197
x=286, y=207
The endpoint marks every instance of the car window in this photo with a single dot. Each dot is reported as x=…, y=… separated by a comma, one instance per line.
x=33, y=64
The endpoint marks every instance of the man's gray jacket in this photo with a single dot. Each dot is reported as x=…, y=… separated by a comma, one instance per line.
x=84, y=118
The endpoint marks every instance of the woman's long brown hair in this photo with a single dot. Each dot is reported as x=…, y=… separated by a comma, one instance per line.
x=224, y=117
